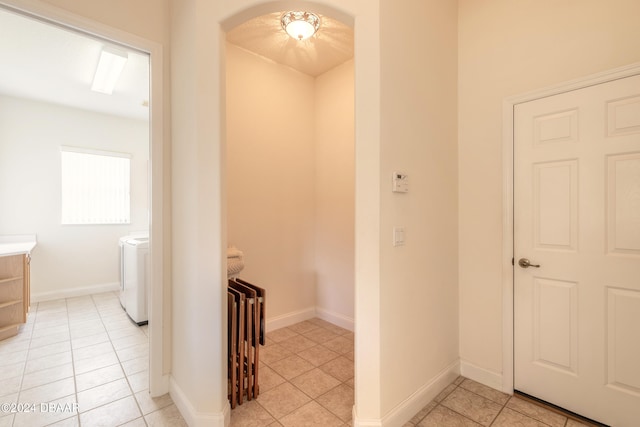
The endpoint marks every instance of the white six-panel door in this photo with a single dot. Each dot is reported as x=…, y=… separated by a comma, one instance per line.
x=577, y=216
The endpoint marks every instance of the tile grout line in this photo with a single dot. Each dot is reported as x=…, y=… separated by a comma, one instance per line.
x=457, y=386
x=73, y=366
x=502, y=407
x=26, y=357
x=558, y=411
x=499, y=412
x=126, y=377
x=29, y=350
x=539, y=406
x=60, y=315
x=295, y=334
x=327, y=362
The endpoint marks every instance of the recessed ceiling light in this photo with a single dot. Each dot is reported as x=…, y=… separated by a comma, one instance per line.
x=300, y=25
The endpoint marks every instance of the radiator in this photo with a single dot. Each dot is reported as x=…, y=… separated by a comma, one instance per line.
x=246, y=332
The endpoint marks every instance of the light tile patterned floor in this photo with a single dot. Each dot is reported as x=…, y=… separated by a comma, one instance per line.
x=306, y=378
x=466, y=403
x=89, y=360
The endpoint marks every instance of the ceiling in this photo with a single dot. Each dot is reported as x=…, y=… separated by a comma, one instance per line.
x=329, y=47
x=56, y=65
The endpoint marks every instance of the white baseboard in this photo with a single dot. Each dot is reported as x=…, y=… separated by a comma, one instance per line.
x=407, y=409
x=481, y=375
x=289, y=319
x=362, y=422
x=292, y=318
x=161, y=386
x=336, y=318
x=193, y=417
x=75, y=292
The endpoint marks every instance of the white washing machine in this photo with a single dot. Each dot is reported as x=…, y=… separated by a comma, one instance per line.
x=134, y=264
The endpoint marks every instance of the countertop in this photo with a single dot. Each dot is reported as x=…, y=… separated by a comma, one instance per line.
x=16, y=245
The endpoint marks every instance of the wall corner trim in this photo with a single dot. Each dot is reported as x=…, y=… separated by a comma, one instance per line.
x=291, y=318
x=408, y=408
x=163, y=386
x=191, y=415
x=481, y=375
x=336, y=318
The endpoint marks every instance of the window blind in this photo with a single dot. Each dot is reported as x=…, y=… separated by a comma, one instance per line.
x=95, y=187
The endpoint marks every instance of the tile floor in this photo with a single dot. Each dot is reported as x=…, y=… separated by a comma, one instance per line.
x=466, y=403
x=85, y=357
x=306, y=379
x=89, y=360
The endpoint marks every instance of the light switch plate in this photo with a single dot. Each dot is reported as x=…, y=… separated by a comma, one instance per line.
x=398, y=236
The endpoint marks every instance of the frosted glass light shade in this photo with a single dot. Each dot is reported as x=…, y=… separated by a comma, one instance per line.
x=300, y=25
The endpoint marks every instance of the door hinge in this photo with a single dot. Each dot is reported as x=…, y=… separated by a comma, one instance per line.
x=513, y=261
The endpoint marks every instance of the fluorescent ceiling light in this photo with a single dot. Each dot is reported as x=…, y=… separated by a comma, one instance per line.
x=108, y=70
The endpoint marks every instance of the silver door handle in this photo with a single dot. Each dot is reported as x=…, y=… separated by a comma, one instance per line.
x=525, y=263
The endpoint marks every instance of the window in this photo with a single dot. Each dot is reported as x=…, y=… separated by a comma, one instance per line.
x=95, y=187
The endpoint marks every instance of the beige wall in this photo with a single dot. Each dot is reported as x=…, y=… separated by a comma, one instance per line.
x=405, y=295
x=334, y=189
x=504, y=48
x=67, y=257
x=145, y=18
x=270, y=178
x=199, y=220
x=508, y=48
x=198, y=217
x=290, y=185
x=419, y=295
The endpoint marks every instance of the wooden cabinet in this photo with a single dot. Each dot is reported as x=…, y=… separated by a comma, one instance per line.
x=14, y=293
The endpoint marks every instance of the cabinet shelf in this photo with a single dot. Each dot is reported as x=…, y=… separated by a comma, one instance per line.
x=8, y=327
x=14, y=293
x=9, y=330
x=9, y=303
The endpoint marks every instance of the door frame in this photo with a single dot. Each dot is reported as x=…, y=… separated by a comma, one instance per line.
x=508, y=106
x=158, y=342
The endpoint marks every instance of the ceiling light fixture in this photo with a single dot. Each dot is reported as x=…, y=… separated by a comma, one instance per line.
x=300, y=25
x=108, y=71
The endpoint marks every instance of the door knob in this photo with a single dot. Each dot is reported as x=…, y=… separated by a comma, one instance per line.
x=525, y=263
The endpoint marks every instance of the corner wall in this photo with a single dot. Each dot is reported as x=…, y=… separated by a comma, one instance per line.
x=199, y=322
x=419, y=287
x=270, y=181
x=197, y=100
x=507, y=49
x=290, y=183
x=334, y=195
